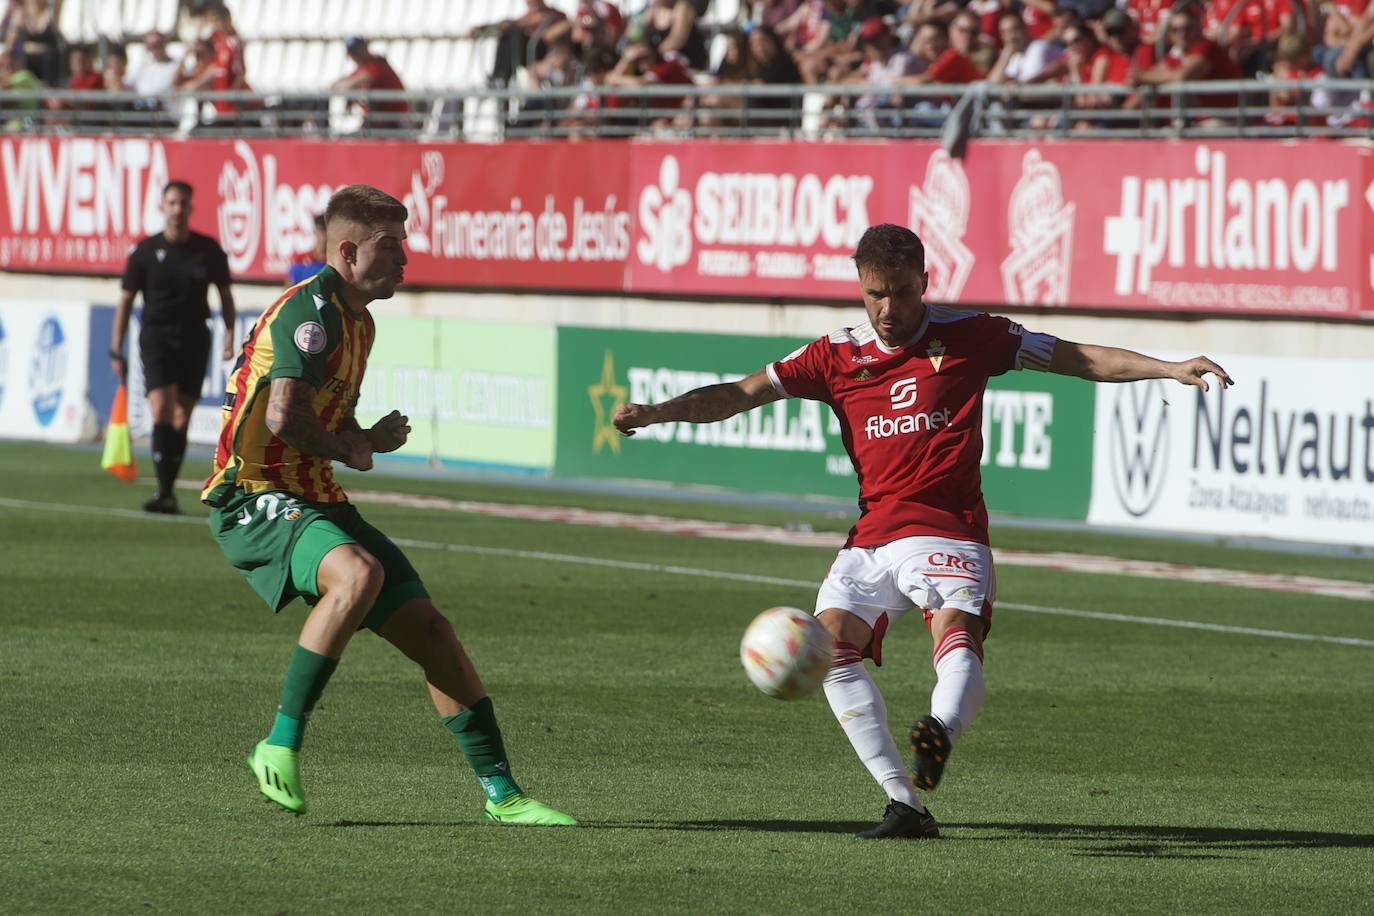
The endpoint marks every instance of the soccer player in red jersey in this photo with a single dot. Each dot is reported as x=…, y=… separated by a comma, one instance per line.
x=907, y=388
x=285, y=523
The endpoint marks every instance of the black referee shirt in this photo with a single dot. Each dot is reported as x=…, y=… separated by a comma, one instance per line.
x=174, y=278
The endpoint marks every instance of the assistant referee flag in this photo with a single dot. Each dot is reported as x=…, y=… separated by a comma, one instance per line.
x=119, y=450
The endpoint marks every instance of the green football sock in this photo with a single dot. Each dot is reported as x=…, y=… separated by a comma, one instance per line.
x=479, y=737
x=305, y=679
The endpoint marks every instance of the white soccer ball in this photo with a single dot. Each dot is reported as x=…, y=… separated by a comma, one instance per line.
x=786, y=652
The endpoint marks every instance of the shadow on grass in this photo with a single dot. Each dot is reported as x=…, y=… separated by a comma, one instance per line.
x=1092, y=840
x=1110, y=841
x=1161, y=841
x=397, y=824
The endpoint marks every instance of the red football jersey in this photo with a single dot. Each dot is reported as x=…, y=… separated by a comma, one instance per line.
x=912, y=419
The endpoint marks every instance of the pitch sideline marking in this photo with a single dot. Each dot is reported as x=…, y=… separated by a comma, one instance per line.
x=1061, y=561
x=636, y=566
x=811, y=586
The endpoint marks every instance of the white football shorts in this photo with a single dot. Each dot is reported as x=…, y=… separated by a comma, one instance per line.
x=880, y=584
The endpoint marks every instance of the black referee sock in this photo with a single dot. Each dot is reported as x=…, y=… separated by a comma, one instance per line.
x=164, y=447
x=176, y=456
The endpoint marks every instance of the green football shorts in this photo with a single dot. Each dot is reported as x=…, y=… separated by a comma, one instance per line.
x=277, y=540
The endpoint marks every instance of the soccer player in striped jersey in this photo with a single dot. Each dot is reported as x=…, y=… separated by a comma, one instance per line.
x=907, y=388
x=288, y=527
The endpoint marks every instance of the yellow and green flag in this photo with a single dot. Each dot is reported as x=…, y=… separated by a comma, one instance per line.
x=119, y=447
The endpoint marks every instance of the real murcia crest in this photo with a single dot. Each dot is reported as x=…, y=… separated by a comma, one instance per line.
x=938, y=212
x=936, y=353
x=1040, y=227
x=863, y=376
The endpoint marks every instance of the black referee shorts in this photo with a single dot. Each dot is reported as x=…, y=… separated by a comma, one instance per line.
x=174, y=356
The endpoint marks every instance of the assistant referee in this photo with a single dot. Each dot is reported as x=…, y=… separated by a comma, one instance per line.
x=173, y=270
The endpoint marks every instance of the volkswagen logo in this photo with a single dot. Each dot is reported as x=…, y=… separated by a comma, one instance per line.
x=1139, y=445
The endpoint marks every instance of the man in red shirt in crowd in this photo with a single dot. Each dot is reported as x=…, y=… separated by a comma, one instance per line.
x=226, y=71
x=372, y=71
x=1125, y=51
x=84, y=75
x=643, y=65
x=953, y=65
x=1192, y=58
x=906, y=387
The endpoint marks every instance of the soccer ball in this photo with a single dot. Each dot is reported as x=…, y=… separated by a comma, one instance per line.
x=786, y=652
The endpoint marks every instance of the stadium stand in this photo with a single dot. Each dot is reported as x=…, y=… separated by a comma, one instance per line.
x=295, y=50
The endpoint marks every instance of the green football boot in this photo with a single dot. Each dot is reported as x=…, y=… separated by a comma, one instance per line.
x=521, y=809
x=278, y=778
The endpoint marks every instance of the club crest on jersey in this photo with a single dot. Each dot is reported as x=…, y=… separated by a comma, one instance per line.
x=863, y=376
x=936, y=354
x=309, y=337
x=161, y=255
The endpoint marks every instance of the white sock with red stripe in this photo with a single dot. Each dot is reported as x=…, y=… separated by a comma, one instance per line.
x=859, y=707
x=959, y=690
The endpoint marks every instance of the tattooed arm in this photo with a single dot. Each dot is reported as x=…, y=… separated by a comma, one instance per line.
x=702, y=405
x=386, y=435
x=292, y=419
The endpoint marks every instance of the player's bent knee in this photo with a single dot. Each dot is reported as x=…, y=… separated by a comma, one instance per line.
x=351, y=572
x=844, y=626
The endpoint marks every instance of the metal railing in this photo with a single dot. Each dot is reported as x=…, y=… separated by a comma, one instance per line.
x=1328, y=108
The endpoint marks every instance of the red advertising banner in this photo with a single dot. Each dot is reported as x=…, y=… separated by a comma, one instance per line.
x=1169, y=226
x=1252, y=227
x=517, y=215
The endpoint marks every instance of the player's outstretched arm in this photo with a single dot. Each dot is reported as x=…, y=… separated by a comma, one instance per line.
x=701, y=405
x=1113, y=364
x=291, y=418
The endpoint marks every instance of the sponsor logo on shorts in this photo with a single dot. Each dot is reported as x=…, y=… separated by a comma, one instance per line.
x=310, y=337
x=960, y=561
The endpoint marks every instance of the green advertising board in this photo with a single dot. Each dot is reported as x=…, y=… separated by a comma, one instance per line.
x=477, y=393
x=1037, y=427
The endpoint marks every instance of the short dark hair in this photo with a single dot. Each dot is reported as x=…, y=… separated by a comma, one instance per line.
x=176, y=184
x=365, y=205
x=319, y=222
x=889, y=248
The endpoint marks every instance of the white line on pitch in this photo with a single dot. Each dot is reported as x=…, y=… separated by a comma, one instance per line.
x=801, y=583
x=695, y=572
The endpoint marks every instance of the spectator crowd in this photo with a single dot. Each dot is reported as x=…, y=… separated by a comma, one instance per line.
x=1124, y=49
x=34, y=56
x=1114, y=52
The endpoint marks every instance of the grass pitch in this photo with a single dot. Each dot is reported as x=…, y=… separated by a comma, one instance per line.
x=1116, y=767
